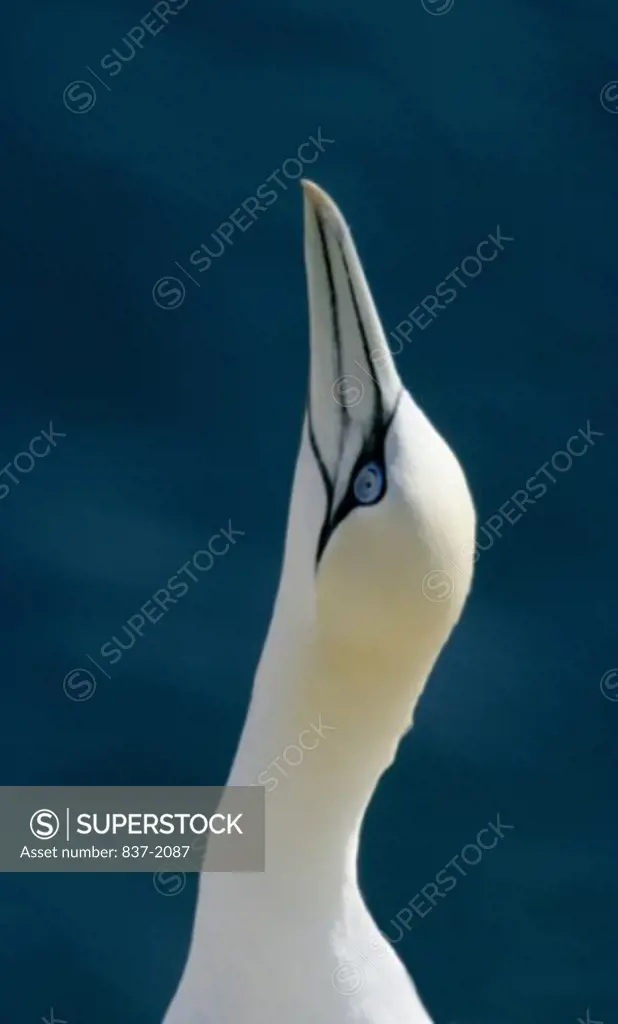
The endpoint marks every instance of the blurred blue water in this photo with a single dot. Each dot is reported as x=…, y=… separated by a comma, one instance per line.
x=180, y=419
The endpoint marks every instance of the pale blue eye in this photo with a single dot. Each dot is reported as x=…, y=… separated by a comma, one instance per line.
x=368, y=484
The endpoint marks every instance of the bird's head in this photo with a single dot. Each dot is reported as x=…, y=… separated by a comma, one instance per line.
x=381, y=531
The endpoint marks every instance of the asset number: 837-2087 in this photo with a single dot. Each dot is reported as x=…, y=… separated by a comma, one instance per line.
x=162, y=852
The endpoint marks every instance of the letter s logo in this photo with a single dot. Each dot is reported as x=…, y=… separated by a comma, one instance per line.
x=169, y=293
x=44, y=824
x=79, y=97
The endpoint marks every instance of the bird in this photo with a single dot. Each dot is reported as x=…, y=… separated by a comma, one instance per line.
x=377, y=566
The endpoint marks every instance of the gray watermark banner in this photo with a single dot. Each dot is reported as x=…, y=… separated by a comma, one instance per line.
x=132, y=828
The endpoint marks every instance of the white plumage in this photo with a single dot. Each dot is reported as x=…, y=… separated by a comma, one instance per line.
x=380, y=511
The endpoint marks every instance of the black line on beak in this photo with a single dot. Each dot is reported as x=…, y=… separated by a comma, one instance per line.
x=328, y=484
x=334, y=312
x=328, y=487
x=379, y=410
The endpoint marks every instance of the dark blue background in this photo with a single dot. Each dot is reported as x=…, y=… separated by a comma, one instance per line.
x=178, y=420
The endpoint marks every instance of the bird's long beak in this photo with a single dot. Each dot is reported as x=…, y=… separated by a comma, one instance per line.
x=354, y=383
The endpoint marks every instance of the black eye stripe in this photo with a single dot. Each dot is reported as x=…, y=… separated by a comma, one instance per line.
x=372, y=451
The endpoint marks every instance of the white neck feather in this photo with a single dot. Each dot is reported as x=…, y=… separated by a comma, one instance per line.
x=309, y=694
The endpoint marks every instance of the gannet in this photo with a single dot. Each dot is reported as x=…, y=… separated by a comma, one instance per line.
x=376, y=569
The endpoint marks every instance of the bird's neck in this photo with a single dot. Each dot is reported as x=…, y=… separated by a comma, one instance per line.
x=323, y=725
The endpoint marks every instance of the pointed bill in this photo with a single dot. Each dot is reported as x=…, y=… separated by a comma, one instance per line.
x=354, y=384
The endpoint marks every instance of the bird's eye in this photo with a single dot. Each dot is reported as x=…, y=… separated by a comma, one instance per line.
x=368, y=484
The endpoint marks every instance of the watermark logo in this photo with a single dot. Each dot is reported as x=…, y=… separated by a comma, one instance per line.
x=514, y=508
x=425, y=901
x=609, y=684
x=609, y=97
x=79, y=685
x=348, y=979
x=348, y=391
x=79, y=97
x=133, y=828
x=434, y=304
x=438, y=585
x=438, y=7
x=294, y=753
x=169, y=293
x=169, y=883
x=44, y=824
